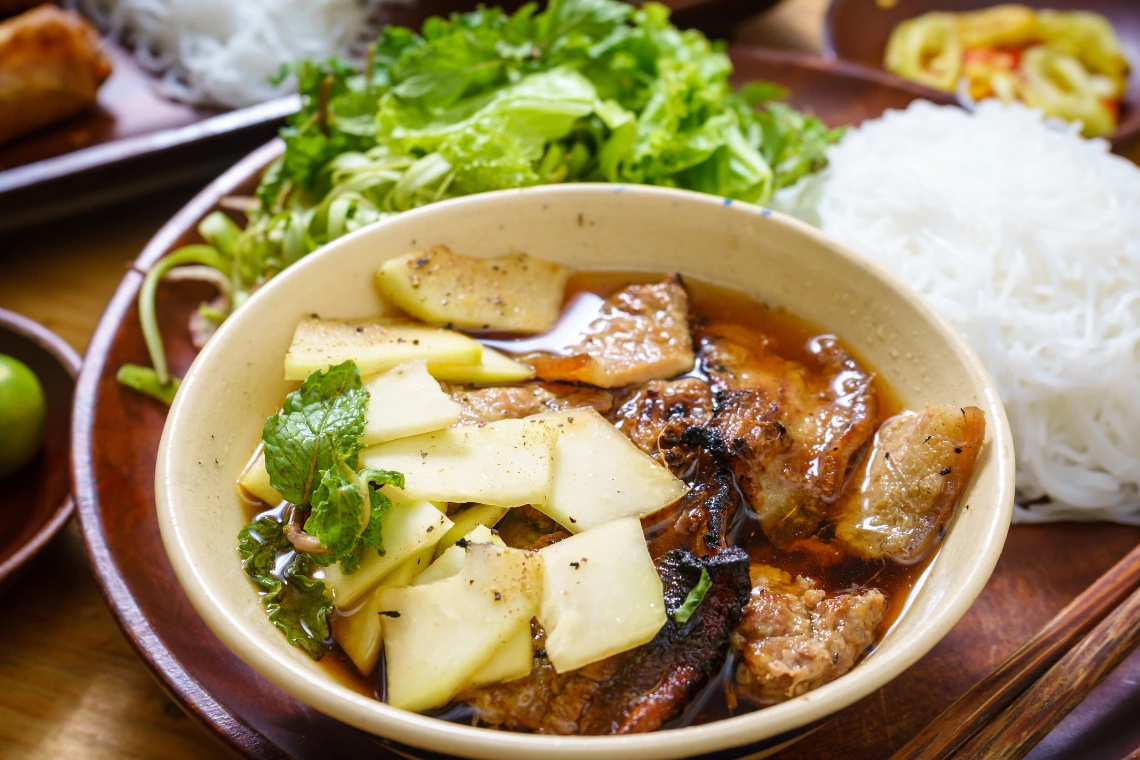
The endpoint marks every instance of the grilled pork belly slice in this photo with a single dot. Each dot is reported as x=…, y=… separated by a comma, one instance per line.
x=656, y=415
x=791, y=431
x=910, y=484
x=794, y=638
x=638, y=690
x=651, y=684
x=668, y=420
x=642, y=334
x=700, y=521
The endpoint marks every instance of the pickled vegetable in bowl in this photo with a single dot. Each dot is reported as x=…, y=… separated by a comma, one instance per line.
x=1068, y=64
x=576, y=502
x=681, y=315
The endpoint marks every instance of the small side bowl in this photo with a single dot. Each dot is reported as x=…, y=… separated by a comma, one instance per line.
x=858, y=30
x=236, y=382
x=35, y=503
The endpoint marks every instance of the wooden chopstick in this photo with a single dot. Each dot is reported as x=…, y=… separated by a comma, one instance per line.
x=954, y=727
x=1027, y=721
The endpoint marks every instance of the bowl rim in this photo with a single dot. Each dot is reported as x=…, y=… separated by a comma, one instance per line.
x=415, y=730
x=68, y=358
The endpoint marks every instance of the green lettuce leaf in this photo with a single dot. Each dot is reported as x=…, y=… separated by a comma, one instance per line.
x=585, y=91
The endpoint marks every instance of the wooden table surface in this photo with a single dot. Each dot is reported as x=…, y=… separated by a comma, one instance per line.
x=70, y=685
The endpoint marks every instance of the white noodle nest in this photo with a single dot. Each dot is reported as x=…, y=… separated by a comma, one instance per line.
x=1028, y=238
x=223, y=52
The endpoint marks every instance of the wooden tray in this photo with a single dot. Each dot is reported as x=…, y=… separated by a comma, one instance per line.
x=133, y=141
x=136, y=141
x=116, y=434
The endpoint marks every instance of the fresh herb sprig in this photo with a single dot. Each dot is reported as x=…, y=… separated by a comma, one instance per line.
x=311, y=449
x=296, y=603
x=682, y=614
x=586, y=90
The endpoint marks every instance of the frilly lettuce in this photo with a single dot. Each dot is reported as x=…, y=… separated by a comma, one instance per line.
x=587, y=90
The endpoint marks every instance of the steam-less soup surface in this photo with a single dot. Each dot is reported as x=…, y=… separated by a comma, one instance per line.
x=666, y=504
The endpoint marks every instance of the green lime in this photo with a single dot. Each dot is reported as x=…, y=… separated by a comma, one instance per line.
x=21, y=414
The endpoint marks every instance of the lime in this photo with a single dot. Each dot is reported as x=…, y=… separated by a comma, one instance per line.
x=21, y=414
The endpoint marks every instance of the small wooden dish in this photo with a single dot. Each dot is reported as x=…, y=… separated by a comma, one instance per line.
x=857, y=30
x=36, y=500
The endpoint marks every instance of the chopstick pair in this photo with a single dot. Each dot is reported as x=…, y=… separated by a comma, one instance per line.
x=1013, y=708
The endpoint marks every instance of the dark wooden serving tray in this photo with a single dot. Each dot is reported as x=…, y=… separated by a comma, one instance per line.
x=136, y=140
x=116, y=434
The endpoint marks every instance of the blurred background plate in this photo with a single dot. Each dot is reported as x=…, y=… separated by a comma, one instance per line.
x=857, y=30
x=35, y=501
x=113, y=463
x=136, y=140
x=839, y=92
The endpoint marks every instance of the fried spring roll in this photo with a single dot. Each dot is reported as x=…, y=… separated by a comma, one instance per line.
x=51, y=66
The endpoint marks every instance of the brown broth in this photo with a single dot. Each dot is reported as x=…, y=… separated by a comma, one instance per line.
x=823, y=563
x=831, y=569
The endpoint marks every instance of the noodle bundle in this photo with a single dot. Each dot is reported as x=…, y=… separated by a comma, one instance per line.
x=1028, y=238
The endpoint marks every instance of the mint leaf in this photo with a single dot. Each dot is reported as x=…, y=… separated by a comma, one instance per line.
x=337, y=518
x=380, y=478
x=350, y=562
x=297, y=604
x=260, y=543
x=694, y=599
x=311, y=451
x=319, y=424
x=300, y=608
x=380, y=505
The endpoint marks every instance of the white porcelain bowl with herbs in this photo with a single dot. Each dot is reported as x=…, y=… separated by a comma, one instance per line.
x=620, y=471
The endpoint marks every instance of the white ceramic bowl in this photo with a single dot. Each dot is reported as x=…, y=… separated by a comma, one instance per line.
x=236, y=382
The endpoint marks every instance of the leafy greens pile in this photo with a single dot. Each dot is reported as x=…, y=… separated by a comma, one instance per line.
x=585, y=91
x=311, y=449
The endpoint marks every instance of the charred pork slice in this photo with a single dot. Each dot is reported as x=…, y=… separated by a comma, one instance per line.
x=642, y=334
x=791, y=431
x=656, y=415
x=517, y=401
x=910, y=484
x=699, y=522
x=638, y=690
x=652, y=683
x=526, y=528
x=794, y=638
x=668, y=419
